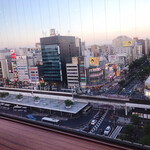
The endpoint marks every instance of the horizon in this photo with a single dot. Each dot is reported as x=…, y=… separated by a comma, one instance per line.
x=24, y=22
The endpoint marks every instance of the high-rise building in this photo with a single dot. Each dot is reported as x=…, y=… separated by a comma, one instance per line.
x=56, y=52
x=95, y=50
x=147, y=46
x=1, y=74
x=142, y=43
x=72, y=75
x=22, y=68
x=124, y=45
x=33, y=74
x=3, y=54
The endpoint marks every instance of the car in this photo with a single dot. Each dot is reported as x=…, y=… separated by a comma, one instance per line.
x=107, y=130
x=29, y=116
x=97, y=116
x=87, y=129
x=93, y=122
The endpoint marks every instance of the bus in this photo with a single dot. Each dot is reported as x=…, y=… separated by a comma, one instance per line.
x=87, y=109
x=50, y=120
x=17, y=108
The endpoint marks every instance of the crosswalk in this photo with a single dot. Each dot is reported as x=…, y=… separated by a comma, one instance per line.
x=94, y=129
x=116, y=132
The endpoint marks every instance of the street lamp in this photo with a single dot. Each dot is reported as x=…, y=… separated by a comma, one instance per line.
x=72, y=93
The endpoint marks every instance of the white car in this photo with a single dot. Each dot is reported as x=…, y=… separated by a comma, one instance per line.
x=93, y=122
x=107, y=130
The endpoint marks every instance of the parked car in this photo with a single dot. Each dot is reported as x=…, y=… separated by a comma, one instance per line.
x=93, y=122
x=29, y=116
x=107, y=130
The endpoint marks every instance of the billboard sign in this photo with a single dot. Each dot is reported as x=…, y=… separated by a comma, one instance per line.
x=12, y=54
x=127, y=43
x=94, y=61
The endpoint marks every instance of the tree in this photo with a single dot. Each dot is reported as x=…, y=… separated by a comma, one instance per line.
x=4, y=94
x=7, y=81
x=145, y=140
x=121, y=82
x=20, y=96
x=135, y=119
x=36, y=98
x=68, y=102
x=147, y=128
x=129, y=129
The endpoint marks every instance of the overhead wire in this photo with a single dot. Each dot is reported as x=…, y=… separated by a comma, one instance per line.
x=19, y=32
x=106, y=32
x=93, y=21
x=12, y=27
x=41, y=17
x=59, y=16
x=33, y=21
x=69, y=18
x=1, y=38
x=6, y=33
x=49, y=14
x=25, y=21
x=135, y=16
x=120, y=18
x=80, y=20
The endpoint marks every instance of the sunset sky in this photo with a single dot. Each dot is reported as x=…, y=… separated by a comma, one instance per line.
x=23, y=22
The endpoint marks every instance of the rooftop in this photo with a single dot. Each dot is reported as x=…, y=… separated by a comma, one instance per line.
x=45, y=103
x=147, y=81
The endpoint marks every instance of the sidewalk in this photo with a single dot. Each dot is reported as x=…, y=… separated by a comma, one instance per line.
x=123, y=120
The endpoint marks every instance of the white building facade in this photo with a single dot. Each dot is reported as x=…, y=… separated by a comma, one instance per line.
x=72, y=75
x=22, y=68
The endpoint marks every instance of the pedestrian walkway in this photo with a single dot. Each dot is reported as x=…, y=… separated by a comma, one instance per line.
x=116, y=132
x=123, y=120
x=94, y=129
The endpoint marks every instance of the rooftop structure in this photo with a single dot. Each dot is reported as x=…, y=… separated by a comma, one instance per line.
x=45, y=103
x=147, y=87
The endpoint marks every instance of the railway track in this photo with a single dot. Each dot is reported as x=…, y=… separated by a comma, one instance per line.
x=67, y=94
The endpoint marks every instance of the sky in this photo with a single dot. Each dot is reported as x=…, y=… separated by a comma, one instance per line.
x=24, y=22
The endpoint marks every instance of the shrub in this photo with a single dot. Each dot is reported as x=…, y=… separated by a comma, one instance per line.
x=36, y=98
x=68, y=102
x=4, y=94
x=19, y=96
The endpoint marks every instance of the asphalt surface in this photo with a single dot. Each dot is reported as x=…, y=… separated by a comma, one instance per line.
x=15, y=136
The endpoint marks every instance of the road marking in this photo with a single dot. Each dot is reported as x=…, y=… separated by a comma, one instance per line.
x=116, y=132
x=98, y=123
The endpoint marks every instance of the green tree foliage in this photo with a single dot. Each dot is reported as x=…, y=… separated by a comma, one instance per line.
x=4, y=94
x=137, y=63
x=121, y=82
x=147, y=128
x=129, y=129
x=135, y=119
x=7, y=81
x=20, y=96
x=68, y=102
x=36, y=98
x=146, y=139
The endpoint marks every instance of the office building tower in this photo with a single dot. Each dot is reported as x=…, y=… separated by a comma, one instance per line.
x=56, y=52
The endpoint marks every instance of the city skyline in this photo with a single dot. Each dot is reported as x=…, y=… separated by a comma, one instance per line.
x=23, y=23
